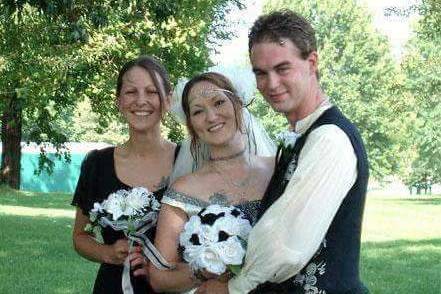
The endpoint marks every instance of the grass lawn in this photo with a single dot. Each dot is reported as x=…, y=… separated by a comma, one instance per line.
x=36, y=256
x=401, y=249
x=33, y=199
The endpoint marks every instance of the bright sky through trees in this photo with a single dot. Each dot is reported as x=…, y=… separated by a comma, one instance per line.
x=396, y=28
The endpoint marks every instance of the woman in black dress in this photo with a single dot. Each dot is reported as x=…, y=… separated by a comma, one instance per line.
x=145, y=160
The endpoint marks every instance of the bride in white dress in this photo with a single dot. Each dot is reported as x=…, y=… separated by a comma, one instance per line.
x=229, y=170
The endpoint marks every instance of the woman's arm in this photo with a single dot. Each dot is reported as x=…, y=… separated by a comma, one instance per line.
x=171, y=221
x=87, y=247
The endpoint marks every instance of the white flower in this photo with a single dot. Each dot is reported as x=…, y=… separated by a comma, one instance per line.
x=192, y=252
x=140, y=190
x=93, y=214
x=245, y=228
x=136, y=200
x=230, y=251
x=208, y=235
x=155, y=204
x=193, y=226
x=287, y=138
x=115, y=205
x=148, y=199
x=209, y=260
x=97, y=208
x=228, y=224
x=213, y=247
x=126, y=211
x=234, y=226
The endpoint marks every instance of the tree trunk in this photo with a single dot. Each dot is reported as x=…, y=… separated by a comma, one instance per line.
x=11, y=136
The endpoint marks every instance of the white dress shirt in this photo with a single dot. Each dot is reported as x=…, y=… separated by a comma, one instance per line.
x=292, y=229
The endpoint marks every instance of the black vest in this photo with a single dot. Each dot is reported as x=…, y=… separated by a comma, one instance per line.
x=334, y=269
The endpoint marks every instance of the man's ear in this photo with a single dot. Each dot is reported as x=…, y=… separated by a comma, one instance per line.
x=313, y=62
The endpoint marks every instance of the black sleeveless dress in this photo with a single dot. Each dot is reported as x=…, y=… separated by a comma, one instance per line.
x=97, y=180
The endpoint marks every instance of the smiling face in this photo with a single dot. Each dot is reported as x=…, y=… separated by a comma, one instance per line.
x=283, y=77
x=212, y=114
x=139, y=100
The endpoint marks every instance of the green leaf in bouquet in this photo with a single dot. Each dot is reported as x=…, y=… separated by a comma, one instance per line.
x=98, y=234
x=89, y=228
x=130, y=225
x=235, y=269
x=94, y=230
x=93, y=217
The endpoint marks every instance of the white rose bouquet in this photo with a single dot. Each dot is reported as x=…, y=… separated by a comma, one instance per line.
x=127, y=211
x=134, y=212
x=214, y=240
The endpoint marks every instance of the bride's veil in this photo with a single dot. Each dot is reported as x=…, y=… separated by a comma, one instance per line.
x=257, y=140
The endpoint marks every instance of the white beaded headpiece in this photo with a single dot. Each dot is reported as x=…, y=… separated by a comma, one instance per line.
x=242, y=80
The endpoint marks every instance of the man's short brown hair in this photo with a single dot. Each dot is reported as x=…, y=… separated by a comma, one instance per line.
x=284, y=24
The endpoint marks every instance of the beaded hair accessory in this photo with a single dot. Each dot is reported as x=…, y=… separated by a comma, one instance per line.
x=243, y=81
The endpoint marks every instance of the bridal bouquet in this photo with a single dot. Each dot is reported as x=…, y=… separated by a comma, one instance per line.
x=214, y=240
x=126, y=211
x=134, y=212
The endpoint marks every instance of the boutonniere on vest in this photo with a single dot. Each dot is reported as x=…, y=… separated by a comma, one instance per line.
x=287, y=139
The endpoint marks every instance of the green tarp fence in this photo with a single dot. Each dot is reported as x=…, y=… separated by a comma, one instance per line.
x=65, y=175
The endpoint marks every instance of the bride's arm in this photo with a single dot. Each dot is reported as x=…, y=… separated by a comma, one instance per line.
x=171, y=221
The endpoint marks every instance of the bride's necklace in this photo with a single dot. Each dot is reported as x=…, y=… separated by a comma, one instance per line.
x=230, y=181
x=227, y=157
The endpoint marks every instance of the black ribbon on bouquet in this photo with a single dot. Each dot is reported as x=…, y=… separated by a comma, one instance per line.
x=141, y=226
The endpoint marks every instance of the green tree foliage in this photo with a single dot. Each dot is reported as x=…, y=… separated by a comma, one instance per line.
x=422, y=67
x=358, y=74
x=55, y=53
x=82, y=125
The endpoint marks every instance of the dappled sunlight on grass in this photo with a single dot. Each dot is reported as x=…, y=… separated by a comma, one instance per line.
x=38, y=256
x=402, y=266
x=401, y=246
x=34, y=199
x=34, y=211
x=423, y=200
x=401, y=218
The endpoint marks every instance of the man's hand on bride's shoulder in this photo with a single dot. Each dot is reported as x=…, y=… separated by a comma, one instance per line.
x=213, y=287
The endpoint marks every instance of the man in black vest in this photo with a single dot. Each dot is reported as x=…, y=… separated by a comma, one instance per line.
x=308, y=237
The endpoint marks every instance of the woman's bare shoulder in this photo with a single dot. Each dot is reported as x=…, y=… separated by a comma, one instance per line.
x=192, y=184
